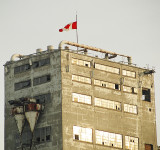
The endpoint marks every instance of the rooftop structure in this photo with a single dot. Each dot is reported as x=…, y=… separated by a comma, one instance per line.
x=65, y=99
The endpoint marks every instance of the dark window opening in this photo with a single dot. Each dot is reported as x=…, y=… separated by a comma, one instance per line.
x=148, y=147
x=146, y=95
x=150, y=109
x=22, y=68
x=48, y=138
x=104, y=85
x=38, y=139
x=76, y=137
x=41, y=80
x=86, y=65
x=22, y=85
x=116, y=86
x=40, y=63
x=44, y=98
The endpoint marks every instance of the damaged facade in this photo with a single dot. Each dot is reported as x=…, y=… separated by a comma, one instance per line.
x=62, y=99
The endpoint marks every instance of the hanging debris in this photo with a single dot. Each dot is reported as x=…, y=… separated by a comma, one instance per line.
x=18, y=113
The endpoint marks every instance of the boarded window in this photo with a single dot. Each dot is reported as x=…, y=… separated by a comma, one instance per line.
x=22, y=68
x=130, y=108
x=131, y=143
x=81, y=98
x=22, y=85
x=81, y=79
x=82, y=134
x=41, y=80
x=146, y=94
x=107, y=68
x=107, y=104
x=108, y=139
x=44, y=98
x=40, y=63
x=129, y=73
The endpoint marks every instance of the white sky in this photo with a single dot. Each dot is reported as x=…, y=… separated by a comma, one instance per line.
x=130, y=27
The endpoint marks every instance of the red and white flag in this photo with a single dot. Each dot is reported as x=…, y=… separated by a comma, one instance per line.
x=72, y=25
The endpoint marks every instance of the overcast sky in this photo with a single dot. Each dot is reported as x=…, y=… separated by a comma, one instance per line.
x=130, y=27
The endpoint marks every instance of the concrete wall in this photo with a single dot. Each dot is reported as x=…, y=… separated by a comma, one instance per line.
x=141, y=125
x=52, y=115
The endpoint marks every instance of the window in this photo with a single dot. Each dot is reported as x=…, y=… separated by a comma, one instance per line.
x=146, y=94
x=129, y=73
x=107, y=84
x=22, y=68
x=148, y=147
x=108, y=139
x=130, y=89
x=43, y=134
x=41, y=80
x=81, y=98
x=131, y=143
x=81, y=79
x=44, y=98
x=22, y=85
x=82, y=134
x=107, y=103
x=130, y=108
x=40, y=63
x=107, y=68
x=81, y=62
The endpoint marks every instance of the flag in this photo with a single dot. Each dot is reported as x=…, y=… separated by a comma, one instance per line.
x=72, y=25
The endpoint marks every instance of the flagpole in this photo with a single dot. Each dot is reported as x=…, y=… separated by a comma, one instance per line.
x=77, y=30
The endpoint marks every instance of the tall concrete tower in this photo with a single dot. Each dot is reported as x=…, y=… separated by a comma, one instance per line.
x=63, y=99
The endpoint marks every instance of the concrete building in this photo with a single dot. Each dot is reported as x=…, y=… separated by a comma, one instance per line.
x=63, y=99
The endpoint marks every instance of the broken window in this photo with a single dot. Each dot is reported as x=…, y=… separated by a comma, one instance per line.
x=148, y=147
x=22, y=68
x=82, y=134
x=81, y=98
x=107, y=104
x=81, y=79
x=117, y=86
x=131, y=143
x=44, y=98
x=130, y=89
x=129, y=73
x=81, y=62
x=107, y=84
x=107, y=68
x=130, y=108
x=146, y=94
x=22, y=85
x=108, y=139
x=41, y=80
x=43, y=134
x=42, y=62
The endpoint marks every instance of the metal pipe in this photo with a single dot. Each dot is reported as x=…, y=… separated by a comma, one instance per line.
x=16, y=56
x=92, y=48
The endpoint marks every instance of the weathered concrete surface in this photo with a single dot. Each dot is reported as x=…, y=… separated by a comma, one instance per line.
x=62, y=113
x=141, y=125
x=52, y=115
